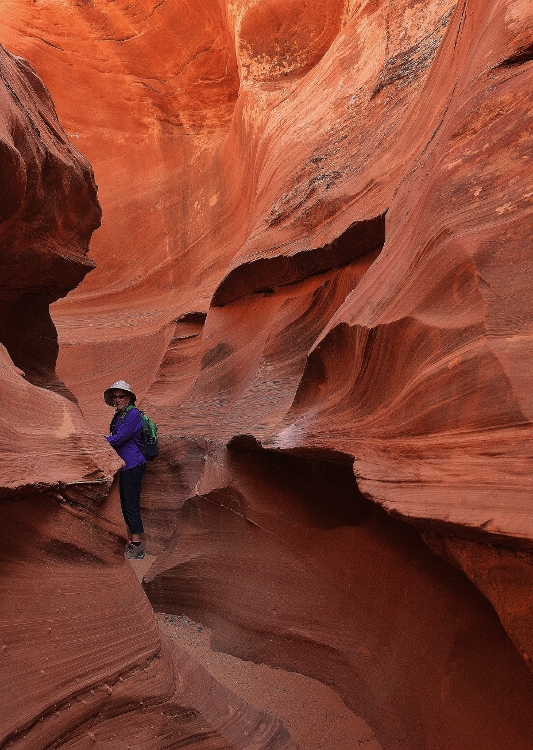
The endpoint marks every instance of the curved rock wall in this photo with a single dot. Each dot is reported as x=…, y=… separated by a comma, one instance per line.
x=83, y=663
x=313, y=264
x=48, y=213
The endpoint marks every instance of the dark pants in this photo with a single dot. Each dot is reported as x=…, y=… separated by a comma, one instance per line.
x=130, y=497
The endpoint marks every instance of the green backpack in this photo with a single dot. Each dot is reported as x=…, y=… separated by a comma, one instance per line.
x=149, y=437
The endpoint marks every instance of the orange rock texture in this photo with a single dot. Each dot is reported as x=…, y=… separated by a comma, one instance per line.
x=314, y=265
x=82, y=660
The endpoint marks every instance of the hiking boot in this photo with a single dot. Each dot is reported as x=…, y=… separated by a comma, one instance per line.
x=134, y=551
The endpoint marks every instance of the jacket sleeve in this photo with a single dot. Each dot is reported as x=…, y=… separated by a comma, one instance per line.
x=131, y=426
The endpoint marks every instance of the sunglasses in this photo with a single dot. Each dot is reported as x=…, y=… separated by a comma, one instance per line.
x=118, y=398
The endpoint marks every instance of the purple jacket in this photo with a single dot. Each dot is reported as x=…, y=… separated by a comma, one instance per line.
x=126, y=437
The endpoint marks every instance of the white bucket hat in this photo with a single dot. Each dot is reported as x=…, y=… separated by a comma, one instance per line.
x=119, y=385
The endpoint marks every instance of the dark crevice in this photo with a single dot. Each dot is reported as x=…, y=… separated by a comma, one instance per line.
x=478, y=534
x=244, y=442
x=30, y=337
x=192, y=317
x=520, y=57
x=323, y=482
x=264, y=275
x=247, y=442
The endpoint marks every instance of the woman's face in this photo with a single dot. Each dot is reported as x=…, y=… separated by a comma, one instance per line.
x=120, y=399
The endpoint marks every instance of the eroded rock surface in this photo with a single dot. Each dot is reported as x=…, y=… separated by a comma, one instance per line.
x=82, y=660
x=314, y=265
x=48, y=213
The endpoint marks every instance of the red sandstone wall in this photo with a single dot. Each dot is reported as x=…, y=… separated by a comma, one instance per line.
x=81, y=658
x=315, y=248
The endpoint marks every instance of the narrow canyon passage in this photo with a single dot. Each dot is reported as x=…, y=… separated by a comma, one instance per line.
x=291, y=566
x=301, y=231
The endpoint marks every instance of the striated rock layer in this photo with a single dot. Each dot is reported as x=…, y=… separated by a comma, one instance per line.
x=83, y=663
x=314, y=266
x=47, y=215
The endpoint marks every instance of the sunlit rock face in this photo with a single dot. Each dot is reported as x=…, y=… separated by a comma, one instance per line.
x=314, y=265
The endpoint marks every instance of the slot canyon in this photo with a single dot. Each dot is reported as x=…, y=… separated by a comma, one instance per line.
x=302, y=231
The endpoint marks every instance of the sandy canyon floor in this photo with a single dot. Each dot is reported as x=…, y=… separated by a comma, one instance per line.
x=315, y=716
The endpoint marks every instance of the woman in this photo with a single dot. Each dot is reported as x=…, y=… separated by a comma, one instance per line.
x=125, y=438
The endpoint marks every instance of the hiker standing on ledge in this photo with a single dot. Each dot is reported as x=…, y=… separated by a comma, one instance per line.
x=126, y=439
